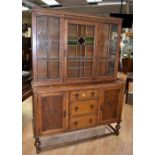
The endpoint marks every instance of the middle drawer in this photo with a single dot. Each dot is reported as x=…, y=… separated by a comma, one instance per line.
x=83, y=107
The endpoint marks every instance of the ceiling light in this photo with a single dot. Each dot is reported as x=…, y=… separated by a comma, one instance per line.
x=92, y=1
x=25, y=8
x=50, y=2
x=111, y=3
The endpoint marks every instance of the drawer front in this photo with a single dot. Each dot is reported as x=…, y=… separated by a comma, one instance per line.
x=82, y=122
x=84, y=95
x=83, y=107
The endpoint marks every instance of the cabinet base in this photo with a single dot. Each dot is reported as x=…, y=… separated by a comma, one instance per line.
x=113, y=131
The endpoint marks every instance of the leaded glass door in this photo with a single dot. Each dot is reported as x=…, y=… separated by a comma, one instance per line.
x=48, y=49
x=80, y=50
x=107, y=51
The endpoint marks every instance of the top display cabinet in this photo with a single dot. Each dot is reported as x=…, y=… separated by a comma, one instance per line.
x=73, y=48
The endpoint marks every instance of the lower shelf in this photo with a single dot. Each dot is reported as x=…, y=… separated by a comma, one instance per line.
x=75, y=137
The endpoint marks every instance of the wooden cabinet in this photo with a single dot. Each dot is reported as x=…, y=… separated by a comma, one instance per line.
x=74, y=73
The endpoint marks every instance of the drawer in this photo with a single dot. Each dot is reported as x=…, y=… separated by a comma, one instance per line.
x=83, y=95
x=83, y=107
x=82, y=121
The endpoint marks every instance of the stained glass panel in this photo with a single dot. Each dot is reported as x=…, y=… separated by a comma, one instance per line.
x=80, y=50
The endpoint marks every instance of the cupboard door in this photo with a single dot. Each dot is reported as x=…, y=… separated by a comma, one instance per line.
x=80, y=49
x=52, y=112
x=109, y=104
x=107, y=52
x=48, y=48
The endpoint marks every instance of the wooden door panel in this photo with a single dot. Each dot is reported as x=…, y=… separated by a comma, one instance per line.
x=109, y=104
x=52, y=112
x=52, y=109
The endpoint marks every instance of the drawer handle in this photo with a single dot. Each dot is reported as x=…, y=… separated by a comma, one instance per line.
x=77, y=95
x=65, y=113
x=92, y=106
x=75, y=123
x=90, y=120
x=76, y=109
x=92, y=93
x=101, y=109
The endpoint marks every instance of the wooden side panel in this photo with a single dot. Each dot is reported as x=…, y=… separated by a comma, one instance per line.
x=110, y=104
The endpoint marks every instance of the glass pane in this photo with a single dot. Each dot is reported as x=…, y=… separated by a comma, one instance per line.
x=41, y=29
x=53, y=29
x=71, y=63
x=88, y=63
x=42, y=51
x=89, y=50
x=53, y=69
x=106, y=68
x=70, y=72
x=53, y=50
x=71, y=51
x=80, y=51
x=72, y=30
x=110, y=68
x=113, y=41
x=90, y=30
x=81, y=30
x=42, y=69
x=48, y=29
x=88, y=72
x=89, y=40
x=72, y=40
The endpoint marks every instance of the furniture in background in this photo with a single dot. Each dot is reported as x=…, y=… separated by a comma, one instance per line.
x=127, y=65
x=126, y=54
x=75, y=85
x=26, y=84
x=129, y=78
x=26, y=68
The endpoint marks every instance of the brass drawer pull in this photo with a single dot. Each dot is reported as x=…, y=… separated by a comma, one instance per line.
x=90, y=120
x=77, y=95
x=101, y=109
x=92, y=106
x=65, y=113
x=92, y=93
x=76, y=109
x=75, y=123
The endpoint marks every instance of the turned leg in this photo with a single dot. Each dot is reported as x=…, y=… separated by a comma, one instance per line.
x=37, y=145
x=117, y=128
